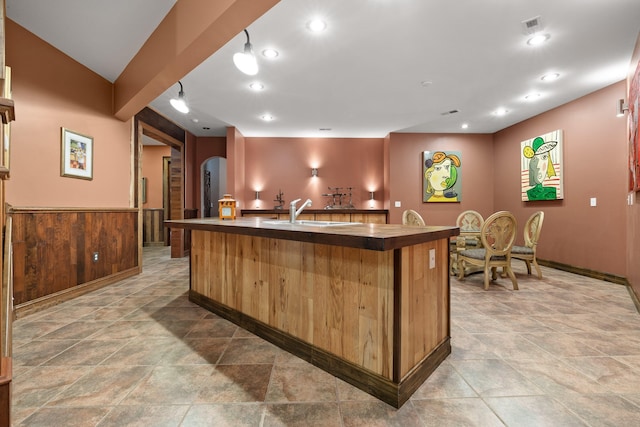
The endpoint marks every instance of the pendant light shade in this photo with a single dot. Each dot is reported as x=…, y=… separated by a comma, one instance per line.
x=246, y=61
x=180, y=103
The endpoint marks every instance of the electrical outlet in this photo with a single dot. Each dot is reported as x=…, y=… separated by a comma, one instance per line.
x=397, y=204
x=432, y=258
x=95, y=257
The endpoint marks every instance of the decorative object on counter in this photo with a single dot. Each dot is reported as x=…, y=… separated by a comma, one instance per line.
x=227, y=207
x=279, y=199
x=441, y=176
x=77, y=155
x=336, y=198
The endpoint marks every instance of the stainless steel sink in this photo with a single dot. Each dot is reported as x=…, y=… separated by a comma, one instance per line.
x=311, y=223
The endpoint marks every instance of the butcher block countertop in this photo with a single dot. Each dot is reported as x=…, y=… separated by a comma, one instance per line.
x=377, y=237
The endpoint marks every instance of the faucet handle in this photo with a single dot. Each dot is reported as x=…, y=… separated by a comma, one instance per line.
x=293, y=202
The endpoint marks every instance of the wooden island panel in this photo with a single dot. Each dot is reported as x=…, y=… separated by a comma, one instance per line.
x=424, y=317
x=362, y=301
x=347, y=312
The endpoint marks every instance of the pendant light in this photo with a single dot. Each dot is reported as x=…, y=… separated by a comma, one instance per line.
x=246, y=61
x=180, y=103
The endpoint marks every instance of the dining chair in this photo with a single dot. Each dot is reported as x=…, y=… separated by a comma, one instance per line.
x=411, y=217
x=470, y=223
x=497, y=236
x=527, y=253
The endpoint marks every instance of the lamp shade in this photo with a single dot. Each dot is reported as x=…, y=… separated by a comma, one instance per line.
x=246, y=61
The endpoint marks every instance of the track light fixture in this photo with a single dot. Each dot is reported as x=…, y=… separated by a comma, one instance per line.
x=246, y=61
x=180, y=103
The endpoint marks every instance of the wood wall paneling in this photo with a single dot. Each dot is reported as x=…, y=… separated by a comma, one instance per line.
x=153, y=227
x=53, y=249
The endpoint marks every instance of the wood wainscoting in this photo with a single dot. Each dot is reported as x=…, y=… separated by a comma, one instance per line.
x=153, y=230
x=55, y=251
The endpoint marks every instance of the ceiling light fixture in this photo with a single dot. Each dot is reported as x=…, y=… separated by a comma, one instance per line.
x=501, y=112
x=538, y=39
x=246, y=61
x=532, y=96
x=267, y=117
x=270, y=53
x=550, y=77
x=317, y=25
x=180, y=103
x=256, y=86
x=465, y=126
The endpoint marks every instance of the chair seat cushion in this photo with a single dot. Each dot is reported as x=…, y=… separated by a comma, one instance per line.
x=521, y=250
x=480, y=254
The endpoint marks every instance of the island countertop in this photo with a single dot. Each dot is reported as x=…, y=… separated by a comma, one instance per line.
x=378, y=237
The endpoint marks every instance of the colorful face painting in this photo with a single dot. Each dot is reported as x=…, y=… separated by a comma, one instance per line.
x=541, y=167
x=441, y=176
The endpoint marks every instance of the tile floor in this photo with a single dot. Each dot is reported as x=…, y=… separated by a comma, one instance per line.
x=564, y=351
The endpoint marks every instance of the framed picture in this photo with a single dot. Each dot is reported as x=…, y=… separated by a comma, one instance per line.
x=441, y=176
x=541, y=170
x=76, y=155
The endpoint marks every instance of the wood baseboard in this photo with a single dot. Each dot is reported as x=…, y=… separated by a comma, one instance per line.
x=39, y=304
x=607, y=277
x=395, y=394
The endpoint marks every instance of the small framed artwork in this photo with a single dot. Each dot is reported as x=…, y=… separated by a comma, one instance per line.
x=77, y=155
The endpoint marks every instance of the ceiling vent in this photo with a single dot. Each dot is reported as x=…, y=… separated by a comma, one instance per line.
x=532, y=26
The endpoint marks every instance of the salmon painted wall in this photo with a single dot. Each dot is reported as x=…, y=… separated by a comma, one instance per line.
x=273, y=164
x=595, y=155
x=152, y=164
x=51, y=91
x=633, y=211
x=405, y=175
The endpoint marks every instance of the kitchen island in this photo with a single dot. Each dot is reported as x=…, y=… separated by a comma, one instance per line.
x=368, y=303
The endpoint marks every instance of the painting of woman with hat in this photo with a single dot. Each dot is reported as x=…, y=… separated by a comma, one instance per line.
x=441, y=175
x=540, y=170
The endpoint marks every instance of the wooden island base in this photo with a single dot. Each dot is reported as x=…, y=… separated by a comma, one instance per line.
x=362, y=302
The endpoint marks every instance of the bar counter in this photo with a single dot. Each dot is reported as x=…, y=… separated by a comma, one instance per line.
x=368, y=303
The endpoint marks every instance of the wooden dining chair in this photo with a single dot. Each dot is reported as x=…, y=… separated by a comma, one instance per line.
x=497, y=236
x=470, y=223
x=527, y=253
x=411, y=217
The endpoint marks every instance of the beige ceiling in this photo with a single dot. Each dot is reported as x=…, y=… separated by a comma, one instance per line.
x=381, y=66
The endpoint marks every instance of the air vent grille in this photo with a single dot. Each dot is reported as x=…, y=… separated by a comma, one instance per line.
x=533, y=25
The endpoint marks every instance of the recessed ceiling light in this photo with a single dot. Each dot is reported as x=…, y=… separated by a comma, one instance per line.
x=317, y=25
x=267, y=117
x=501, y=111
x=206, y=128
x=532, y=96
x=465, y=126
x=550, y=77
x=538, y=39
x=256, y=86
x=194, y=120
x=270, y=53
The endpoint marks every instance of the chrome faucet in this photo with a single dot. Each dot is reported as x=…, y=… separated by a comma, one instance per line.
x=292, y=209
